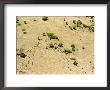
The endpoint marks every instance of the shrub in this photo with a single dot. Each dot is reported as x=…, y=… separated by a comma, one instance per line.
x=73, y=47
x=70, y=27
x=51, y=45
x=60, y=44
x=74, y=21
x=44, y=18
x=52, y=36
x=67, y=51
x=75, y=63
x=79, y=23
x=74, y=27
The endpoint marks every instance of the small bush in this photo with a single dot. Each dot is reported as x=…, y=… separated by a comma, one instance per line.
x=52, y=36
x=51, y=45
x=34, y=20
x=66, y=23
x=70, y=27
x=19, y=24
x=25, y=22
x=60, y=44
x=73, y=47
x=67, y=51
x=79, y=23
x=74, y=27
x=91, y=28
x=44, y=18
x=55, y=47
x=64, y=19
x=74, y=21
x=39, y=38
x=17, y=20
x=22, y=55
x=75, y=63
x=44, y=34
x=86, y=26
x=83, y=47
x=24, y=32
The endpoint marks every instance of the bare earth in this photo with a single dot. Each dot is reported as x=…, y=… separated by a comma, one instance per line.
x=55, y=45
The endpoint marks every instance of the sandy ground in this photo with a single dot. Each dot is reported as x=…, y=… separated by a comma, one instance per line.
x=55, y=45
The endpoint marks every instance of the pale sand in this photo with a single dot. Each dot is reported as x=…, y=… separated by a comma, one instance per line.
x=41, y=59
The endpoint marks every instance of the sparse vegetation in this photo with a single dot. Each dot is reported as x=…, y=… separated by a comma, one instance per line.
x=61, y=41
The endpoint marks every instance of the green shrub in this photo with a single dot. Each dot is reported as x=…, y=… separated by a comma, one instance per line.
x=67, y=51
x=44, y=18
x=52, y=36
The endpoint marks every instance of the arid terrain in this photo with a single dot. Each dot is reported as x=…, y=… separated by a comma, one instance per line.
x=55, y=45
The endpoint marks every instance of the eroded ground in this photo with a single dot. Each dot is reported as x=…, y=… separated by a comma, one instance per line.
x=55, y=45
